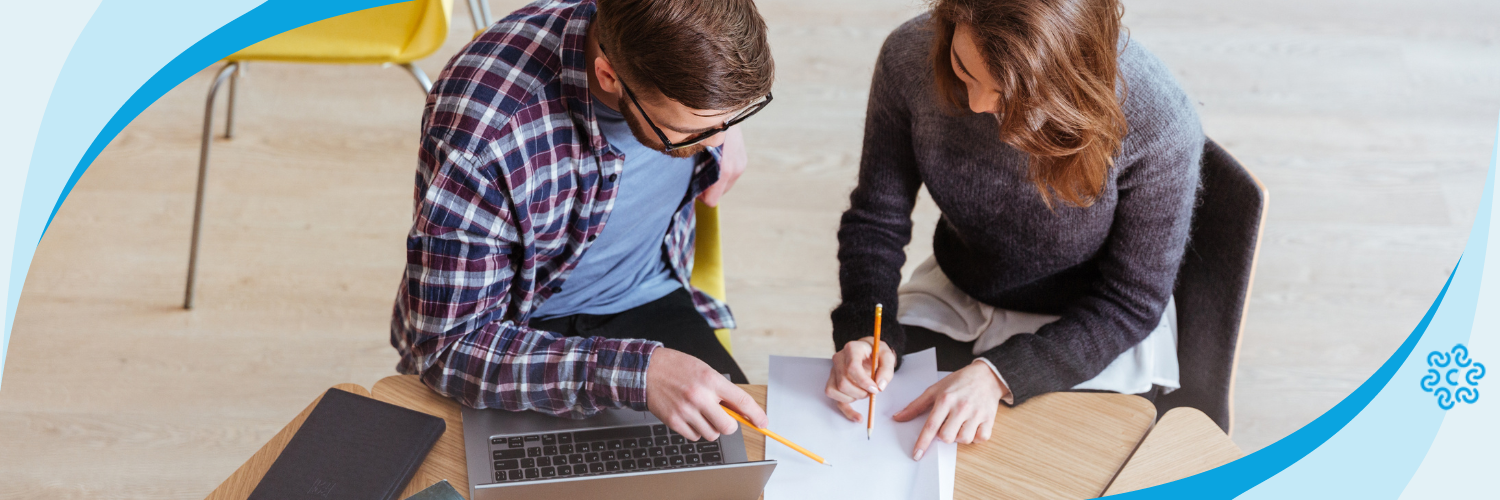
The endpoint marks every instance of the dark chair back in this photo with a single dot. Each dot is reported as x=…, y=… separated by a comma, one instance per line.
x=1213, y=285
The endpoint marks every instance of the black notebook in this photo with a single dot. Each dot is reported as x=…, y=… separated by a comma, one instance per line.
x=351, y=448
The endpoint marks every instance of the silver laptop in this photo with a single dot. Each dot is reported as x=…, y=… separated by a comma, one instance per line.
x=617, y=454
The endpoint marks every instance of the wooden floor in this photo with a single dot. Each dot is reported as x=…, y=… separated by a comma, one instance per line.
x=1371, y=122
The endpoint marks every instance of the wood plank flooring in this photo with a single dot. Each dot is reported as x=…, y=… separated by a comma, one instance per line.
x=1371, y=122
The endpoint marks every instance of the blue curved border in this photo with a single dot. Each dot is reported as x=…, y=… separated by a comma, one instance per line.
x=1234, y=478
x=264, y=21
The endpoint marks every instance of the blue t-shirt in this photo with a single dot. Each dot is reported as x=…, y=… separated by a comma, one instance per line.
x=626, y=266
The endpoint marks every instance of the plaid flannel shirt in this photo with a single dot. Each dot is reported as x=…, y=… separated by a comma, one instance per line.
x=514, y=181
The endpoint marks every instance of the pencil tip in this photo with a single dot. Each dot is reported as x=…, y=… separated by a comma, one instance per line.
x=830, y=464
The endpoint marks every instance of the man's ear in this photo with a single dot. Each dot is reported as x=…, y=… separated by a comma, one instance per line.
x=605, y=73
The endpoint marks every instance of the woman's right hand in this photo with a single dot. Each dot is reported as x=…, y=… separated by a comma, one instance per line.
x=850, y=379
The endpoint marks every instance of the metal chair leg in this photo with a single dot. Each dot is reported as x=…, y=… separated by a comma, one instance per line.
x=484, y=13
x=225, y=73
x=478, y=15
x=234, y=83
x=420, y=75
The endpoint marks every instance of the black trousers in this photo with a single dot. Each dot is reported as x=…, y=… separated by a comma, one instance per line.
x=953, y=355
x=671, y=320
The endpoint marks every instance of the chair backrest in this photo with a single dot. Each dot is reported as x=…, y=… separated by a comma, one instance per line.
x=431, y=30
x=396, y=33
x=708, y=260
x=1213, y=285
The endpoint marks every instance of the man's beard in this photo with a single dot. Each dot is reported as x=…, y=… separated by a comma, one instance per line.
x=649, y=138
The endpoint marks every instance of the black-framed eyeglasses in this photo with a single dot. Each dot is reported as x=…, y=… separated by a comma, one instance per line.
x=668, y=145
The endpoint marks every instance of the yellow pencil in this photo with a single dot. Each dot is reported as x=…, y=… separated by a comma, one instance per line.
x=874, y=369
x=773, y=435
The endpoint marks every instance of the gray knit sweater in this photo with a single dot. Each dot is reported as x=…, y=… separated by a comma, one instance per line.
x=1107, y=269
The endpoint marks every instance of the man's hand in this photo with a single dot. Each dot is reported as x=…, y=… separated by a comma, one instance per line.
x=685, y=394
x=850, y=381
x=734, y=159
x=963, y=408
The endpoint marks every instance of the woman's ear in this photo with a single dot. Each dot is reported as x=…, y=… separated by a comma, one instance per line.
x=609, y=81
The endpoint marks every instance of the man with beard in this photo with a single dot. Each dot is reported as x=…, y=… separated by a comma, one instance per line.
x=550, y=253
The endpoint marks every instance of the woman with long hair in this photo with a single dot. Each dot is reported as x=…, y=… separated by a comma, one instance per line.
x=1064, y=158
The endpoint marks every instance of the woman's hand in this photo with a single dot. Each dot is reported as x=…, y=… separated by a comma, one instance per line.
x=850, y=380
x=963, y=407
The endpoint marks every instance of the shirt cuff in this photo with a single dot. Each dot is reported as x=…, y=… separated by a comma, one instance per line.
x=618, y=372
x=1005, y=394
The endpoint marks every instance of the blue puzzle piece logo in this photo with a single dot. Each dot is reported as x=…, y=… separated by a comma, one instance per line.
x=1452, y=377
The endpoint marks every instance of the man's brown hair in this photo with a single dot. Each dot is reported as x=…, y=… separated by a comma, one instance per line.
x=703, y=54
x=1056, y=63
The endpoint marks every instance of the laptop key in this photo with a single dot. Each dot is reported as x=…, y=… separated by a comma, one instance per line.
x=596, y=467
x=549, y=472
x=533, y=452
x=627, y=465
x=549, y=439
x=533, y=473
x=659, y=461
x=527, y=463
x=660, y=430
x=598, y=446
x=672, y=450
x=658, y=451
x=580, y=469
x=676, y=461
x=500, y=477
x=507, y=464
x=532, y=438
x=611, y=466
x=508, y=454
x=712, y=458
x=566, y=470
x=515, y=475
x=609, y=455
x=581, y=448
x=565, y=438
x=497, y=440
x=544, y=461
x=678, y=439
x=549, y=450
x=576, y=458
x=693, y=459
x=592, y=457
x=515, y=442
x=615, y=445
x=628, y=443
x=565, y=449
x=707, y=447
x=643, y=463
x=663, y=440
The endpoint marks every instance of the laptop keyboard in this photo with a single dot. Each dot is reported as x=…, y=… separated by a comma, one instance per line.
x=600, y=451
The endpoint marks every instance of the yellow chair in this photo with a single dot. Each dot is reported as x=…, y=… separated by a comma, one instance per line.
x=708, y=262
x=393, y=34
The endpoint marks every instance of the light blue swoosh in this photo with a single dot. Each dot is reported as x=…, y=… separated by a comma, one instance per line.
x=91, y=75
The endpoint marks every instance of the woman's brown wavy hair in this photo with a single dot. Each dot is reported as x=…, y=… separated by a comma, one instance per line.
x=1055, y=62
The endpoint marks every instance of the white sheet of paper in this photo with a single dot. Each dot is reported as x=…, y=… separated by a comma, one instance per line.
x=878, y=468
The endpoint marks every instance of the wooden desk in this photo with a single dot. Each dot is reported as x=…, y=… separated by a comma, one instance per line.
x=1183, y=443
x=1062, y=445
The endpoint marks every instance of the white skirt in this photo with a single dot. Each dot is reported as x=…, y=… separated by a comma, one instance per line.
x=929, y=300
